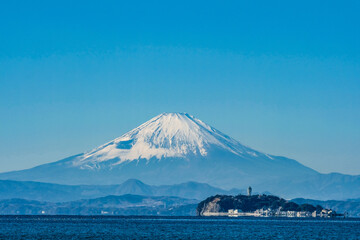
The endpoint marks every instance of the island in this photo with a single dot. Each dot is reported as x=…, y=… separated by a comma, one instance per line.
x=260, y=205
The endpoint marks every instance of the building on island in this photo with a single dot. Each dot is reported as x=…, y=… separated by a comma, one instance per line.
x=249, y=190
x=234, y=213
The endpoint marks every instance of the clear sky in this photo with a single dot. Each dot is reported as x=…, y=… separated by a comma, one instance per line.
x=282, y=77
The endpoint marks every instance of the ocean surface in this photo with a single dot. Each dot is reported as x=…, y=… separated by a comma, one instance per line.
x=143, y=227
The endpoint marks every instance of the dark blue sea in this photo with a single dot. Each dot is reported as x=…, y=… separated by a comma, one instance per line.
x=88, y=227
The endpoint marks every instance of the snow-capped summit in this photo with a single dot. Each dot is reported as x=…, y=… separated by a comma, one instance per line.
x=166, y=135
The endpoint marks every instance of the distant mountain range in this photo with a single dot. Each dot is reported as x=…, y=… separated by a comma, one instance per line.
x=130, y=204
x=173, y=148
x=351, y=206
x=49, y=192
x=109, y=205
x=128, y=198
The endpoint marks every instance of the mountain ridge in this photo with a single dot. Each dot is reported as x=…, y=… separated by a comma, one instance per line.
x=128, y=204
x=173, y=148
x=49, y=192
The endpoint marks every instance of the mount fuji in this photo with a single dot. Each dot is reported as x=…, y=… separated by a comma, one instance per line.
x=173, y=148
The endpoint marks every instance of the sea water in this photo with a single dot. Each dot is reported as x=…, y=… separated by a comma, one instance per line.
x=145, y=227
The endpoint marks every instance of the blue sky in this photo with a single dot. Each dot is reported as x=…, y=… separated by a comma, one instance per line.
x=279, y=76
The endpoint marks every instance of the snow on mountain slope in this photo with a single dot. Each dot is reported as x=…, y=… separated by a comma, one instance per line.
x=166, y=135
